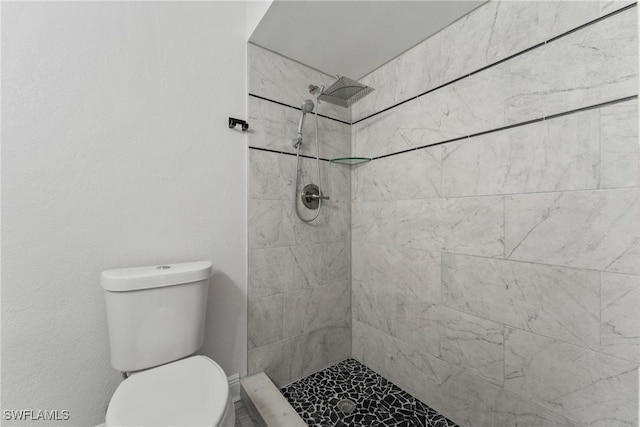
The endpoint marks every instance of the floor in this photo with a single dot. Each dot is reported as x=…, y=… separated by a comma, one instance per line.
x=378, y=402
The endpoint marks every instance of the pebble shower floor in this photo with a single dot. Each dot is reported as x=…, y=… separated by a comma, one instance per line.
x=378, y=402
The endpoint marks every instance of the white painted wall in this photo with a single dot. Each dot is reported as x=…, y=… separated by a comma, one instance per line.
x=116, y=153
x=255, y=12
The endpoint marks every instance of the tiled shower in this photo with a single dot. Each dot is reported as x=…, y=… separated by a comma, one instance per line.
x=487, y=258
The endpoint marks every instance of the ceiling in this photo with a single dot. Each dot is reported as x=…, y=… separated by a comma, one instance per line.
x=352, y=38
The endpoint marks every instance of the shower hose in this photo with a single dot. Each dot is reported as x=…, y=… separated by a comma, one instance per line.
x=295, y=198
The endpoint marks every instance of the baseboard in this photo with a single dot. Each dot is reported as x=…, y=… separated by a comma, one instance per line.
x=234, y=387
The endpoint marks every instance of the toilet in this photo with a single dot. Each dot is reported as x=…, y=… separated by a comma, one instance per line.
x=155, y=317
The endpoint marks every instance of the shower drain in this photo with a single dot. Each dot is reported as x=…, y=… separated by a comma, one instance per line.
x=346, y=406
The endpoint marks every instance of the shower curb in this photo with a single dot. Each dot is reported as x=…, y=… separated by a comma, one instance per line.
x=265, y=404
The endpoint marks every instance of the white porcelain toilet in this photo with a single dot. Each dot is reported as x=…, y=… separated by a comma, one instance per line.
x=156, y=321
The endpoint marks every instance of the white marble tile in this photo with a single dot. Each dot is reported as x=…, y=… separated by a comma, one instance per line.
x=373, y=222
x=308, y=266
x=619, y=145
x=266, y=121
x=338, y=183
x=588, y=387
x=520, y=25
x=318, y=349
x=383, y=81
x=274, y=359
x=407, y=271
x=334, y=138
x=366, y=345
x=599, y=64
x=271, y=271
x=461, y=396
x=374, y=305
x=472, y=401
x=336, y=261
x=278, y=78
x=293, y=268
x=620, y=318
x=332, y=225
x=412, y=72
x=265, y=73
x=413, y=175
x=439, y=116
x=558, y=302
x=274, y=126
x=498, y=29
x=609, y=6
x=265, y=323
x=401, y=363
x=265, y=223
x=509, y=409
x=589, y=229
x=293, y=358
x=271, y=175
x=308, y=310
x=417, y=325
x=297, y=232
x=472, y=343
x=470, y=225
x=558, y=154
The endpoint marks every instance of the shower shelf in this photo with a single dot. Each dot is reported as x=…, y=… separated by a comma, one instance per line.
x=350, y=160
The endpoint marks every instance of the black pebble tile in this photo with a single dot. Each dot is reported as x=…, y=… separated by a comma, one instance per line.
x=378, y=401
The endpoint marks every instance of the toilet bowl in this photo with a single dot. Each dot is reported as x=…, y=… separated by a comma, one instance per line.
x=190, y=392
x=156, y=318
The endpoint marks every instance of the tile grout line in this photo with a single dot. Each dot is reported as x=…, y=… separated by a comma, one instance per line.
x=498, y=259
x=471, y=196
x=600, y=314
x=558, y=340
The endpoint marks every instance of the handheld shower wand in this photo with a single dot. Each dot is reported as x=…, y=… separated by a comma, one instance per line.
x=307, y=107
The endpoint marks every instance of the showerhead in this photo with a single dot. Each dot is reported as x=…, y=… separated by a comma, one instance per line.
x=307, y=106
x=344, y=92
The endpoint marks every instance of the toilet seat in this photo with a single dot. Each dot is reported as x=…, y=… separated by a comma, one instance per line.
x=189, y=392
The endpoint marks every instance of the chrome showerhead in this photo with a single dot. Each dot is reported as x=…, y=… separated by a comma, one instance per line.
x=344, y=92
x=307, y=106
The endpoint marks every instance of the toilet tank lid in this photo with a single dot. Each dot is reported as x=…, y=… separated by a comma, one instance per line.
x=154, y=276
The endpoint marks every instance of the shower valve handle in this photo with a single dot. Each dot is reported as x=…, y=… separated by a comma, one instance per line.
x=316, y=197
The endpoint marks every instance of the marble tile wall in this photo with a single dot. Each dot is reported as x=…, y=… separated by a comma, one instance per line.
x=498, y=29
x=497, y=277
x=600, y=68
x=276, y=77
x=299, y=274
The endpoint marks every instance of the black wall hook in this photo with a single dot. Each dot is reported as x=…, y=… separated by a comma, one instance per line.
x=233, y=122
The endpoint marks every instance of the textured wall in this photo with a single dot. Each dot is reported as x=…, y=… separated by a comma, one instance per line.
x=115, y=154
x=299, y=274
x=495, y=276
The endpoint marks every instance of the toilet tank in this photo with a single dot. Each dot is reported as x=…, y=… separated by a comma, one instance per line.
x=155, y=314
